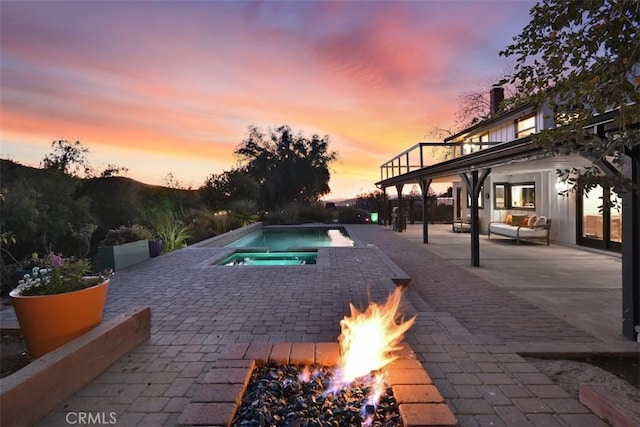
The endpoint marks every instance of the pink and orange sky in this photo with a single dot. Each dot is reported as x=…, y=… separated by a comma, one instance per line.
x=171, y=86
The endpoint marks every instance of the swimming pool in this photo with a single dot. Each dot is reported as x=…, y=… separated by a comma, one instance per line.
x=282, y=239
x=270, y=258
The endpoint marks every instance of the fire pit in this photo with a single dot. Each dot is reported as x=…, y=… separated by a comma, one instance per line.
x=218, y=398
x=296, y=395
x=369, y=378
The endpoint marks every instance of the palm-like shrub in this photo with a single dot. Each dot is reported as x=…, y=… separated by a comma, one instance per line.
x=245, y=211
x=173, y=233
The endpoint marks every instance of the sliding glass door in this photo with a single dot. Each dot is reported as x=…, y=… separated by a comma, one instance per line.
x=600, y=219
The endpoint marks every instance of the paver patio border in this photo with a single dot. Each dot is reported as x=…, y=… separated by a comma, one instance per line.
x=219, y=396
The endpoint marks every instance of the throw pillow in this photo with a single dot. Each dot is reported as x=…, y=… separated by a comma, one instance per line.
x=517, y=219
x=524, y=222
x=542, y=220
x=532, y=220
x=509, y=219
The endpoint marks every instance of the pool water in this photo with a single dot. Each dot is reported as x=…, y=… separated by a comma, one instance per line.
x=270, y=258
x=279, y=240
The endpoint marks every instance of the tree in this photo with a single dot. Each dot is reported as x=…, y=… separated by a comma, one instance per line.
x=220, y=190
x=113, y=170
x=374, y=201
x=582, y=59
x=288, y=167
x=70, y=158
x=171, y=181
x=43, y=209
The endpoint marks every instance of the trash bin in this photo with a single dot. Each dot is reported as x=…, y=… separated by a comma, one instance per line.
x=394, y=219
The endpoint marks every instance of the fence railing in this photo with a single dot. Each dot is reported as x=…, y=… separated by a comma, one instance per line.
x=425, y=154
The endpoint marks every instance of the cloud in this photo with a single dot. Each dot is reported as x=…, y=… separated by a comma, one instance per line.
x=185, y=79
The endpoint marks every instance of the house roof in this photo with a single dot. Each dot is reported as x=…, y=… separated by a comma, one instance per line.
x=500, y=154
x=523, y=109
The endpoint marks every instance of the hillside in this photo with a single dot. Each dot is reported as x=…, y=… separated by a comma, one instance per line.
x=38, y=204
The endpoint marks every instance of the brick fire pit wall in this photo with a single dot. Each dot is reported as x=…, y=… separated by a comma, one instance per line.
x=218, y=398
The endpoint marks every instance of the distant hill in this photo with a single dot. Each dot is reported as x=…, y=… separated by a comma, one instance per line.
x=116, y=200
x=340, y=202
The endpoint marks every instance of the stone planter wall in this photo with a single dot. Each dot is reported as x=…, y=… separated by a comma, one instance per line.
x=31, y=393
x=123, y=256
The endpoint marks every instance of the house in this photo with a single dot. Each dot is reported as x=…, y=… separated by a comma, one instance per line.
x=496, y=171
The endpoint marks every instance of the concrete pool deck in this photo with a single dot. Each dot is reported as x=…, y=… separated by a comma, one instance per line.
x=471, y=323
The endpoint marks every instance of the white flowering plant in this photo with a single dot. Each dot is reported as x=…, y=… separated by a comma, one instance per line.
x=71, y=275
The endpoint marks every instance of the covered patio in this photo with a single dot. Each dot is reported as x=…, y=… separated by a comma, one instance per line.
x=522, y=155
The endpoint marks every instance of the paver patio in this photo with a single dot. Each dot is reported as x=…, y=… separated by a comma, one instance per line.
x=467, y=334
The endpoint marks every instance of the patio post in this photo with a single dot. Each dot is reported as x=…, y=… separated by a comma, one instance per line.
x=474, y=185
x=400, y=218
x=631, y=253
x=424, y=188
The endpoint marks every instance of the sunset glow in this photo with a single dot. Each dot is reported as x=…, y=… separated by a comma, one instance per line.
x=171, y=86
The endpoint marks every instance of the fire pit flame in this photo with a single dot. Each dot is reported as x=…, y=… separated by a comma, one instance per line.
x=367, y=342
x=368, y=338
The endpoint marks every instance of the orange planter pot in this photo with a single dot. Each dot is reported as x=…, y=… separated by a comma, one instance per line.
x=50, y=321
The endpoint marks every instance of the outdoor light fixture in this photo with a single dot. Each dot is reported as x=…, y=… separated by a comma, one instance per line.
x=561, y=186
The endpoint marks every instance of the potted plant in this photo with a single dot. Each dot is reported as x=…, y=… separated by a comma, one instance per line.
x=155, y=247
x=57, y=305
x=26, y=267
x=124, y=246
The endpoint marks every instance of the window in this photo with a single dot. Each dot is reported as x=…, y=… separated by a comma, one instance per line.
x=523, y=196
x=475, y=143
x=525, y=126
x=500, y=196
x=514, y=196
x=480, y=200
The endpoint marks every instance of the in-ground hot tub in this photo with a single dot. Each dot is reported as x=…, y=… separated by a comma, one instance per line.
x=270, y=258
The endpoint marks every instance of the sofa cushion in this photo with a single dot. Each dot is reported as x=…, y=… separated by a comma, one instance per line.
x=542, y=220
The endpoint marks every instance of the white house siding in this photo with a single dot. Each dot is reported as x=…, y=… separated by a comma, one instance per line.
x=503, y=133
x=562, y=210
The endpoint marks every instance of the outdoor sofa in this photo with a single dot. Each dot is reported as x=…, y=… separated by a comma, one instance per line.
x=522, y=227
x=462, y=225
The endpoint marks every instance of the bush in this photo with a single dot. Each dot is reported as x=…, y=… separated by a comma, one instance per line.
x=125, y=234
x=299, y=213
x=351, y=215
x=143, y=232
x=205, y=224
x=315, y=212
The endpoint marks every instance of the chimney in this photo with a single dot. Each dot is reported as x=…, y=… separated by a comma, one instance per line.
x=496, y=96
